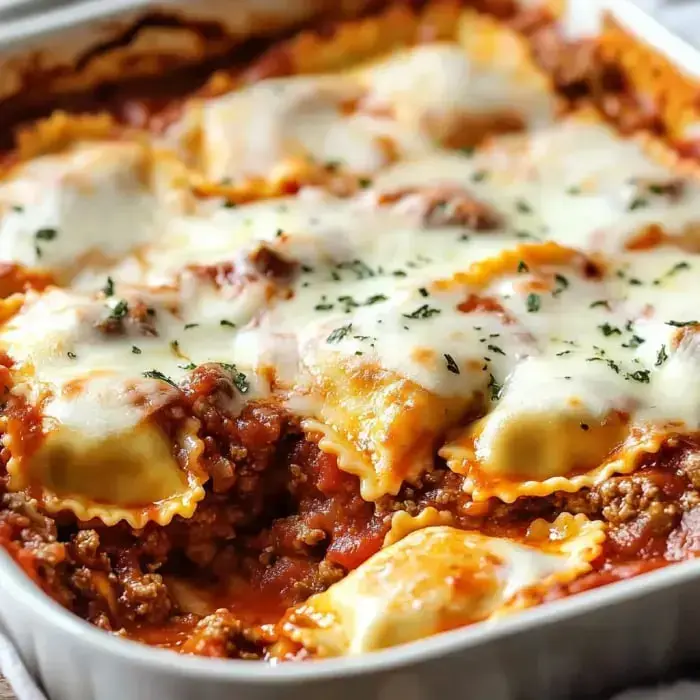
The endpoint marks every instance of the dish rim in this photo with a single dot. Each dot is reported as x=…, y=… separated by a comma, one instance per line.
x=17, y=585
x=19, y=588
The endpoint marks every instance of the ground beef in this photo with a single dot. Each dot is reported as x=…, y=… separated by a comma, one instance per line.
x=32, y=539
x=113, y=580
x=144, y=597
x=269, y=263
x=223, y=635
x=85, y=549
x=239, y=446
x=626, y=498
x=213, y=524
x=579, y=72
x=689, y=465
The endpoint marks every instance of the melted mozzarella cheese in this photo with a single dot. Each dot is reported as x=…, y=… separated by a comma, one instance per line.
x=249, y=133
x=89, y=205
x=434, y=580
x=577, y=183
x=363, y=118
x=402, y=311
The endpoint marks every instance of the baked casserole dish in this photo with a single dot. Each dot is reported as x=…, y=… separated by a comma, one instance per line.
x=382, y=329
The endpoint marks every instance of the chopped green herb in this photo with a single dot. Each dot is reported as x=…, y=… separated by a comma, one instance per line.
x=424, y=311
x=423, y=292
x=467, y=151
x=563, y=352
x=638, y=203
x=358, y=267
x=681, y=324
x=120, y=309
x=227, y=323
x=522, y=266
x=452, y=366
x=46, y=234
x=189, y=366
x=523, y=207
x=228, y=204
x=156, y=374
x=608, y=330
x=496, y=349
x=71, y=355
x=526, y=234
x=610, y=363
x=494, y=387
x=661, y=356
x=375, y=299
x=533, y=303
x=339, y=333
x=479, y=176
x=562, y=284
x=641, y=375
x=364, y=182
x=278, y=233
x=573, y=190
x=240, y=381
x=585, y=426
x=135, y=350
x=634, y=342
x=108, y=289
x=190, y=325
x=17, y=208
x=600, y=302
x=678, y=267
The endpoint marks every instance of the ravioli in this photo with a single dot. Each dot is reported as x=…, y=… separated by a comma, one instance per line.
x=437, y=579
x=86, y=205
x=98, y=453
x=383, y=428
x=365, y=118
x=95, y=445
x=392, y=380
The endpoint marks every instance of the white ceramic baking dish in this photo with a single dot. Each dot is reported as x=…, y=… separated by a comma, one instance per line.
x=583, y=646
